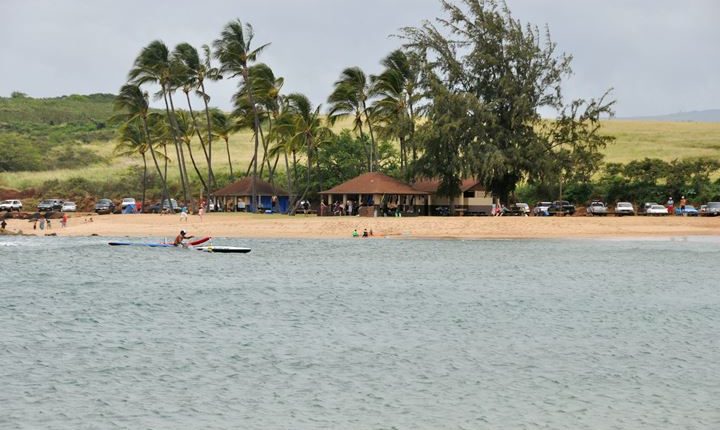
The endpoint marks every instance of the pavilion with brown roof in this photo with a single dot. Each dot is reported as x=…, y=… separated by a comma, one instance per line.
x=238, y=196
x=472, y=198
x=376, y=194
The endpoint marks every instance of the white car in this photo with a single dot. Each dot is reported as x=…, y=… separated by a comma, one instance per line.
x=127, y=201
x=597, y=208
x=69, y=207
x=624, y=208
x=657, y=210
x=10, y=205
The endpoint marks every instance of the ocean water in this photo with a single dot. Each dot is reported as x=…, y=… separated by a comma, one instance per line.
x=361, y=334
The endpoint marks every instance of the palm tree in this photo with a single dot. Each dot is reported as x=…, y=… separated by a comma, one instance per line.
x=153, y=65
x=222, y=128
x=396, y=108
x=307, y=130
x=282, y=134
x=134, y=104
x=193, y=73
x=350, y=97
x=265, y=89
x=131, y=141
x=233, y=50
x=187, y=127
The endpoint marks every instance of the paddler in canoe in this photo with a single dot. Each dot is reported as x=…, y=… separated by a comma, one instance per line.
x=180, y=239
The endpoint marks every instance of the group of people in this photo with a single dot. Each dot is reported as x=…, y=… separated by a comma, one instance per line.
x=365, y=233
x=671, y=204
x=339, y=209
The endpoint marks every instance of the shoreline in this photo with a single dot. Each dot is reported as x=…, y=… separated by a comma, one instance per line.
x=235, y=225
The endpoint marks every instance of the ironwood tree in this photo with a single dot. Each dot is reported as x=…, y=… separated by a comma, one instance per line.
x=506, y=73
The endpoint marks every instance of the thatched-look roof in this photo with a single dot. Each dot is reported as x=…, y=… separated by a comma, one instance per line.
x=431, y=185
x=243, y=187
x=374, y=183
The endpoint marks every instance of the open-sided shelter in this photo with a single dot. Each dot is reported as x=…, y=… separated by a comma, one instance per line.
x=376, y=194
x=238, y=196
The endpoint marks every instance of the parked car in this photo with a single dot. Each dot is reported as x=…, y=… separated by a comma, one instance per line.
x=165, y=207
x=713, y=209
x=127, y=201
x=561, y=207
x=518, y=209
x=643, y=210
x=624, y=208
x=11, y=205
x=689, y=211
x=50, y=205
x=541, y=208
x=656, y=210
x=69, y=207
x=104, y=206
x=597, y=208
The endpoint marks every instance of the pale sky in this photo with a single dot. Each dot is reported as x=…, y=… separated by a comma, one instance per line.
x=661, y=56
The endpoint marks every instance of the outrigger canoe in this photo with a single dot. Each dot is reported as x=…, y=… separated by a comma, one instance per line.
x=191, y=245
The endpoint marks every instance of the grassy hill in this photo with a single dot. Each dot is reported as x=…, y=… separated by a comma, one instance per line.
x=81, y=122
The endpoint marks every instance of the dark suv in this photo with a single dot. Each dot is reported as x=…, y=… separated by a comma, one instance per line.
x=561, y=207
x=50, y=205
x=104, y=206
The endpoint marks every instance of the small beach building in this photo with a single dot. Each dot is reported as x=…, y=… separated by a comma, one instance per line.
x=472, y=200
x=375, y=194
x=238, y=196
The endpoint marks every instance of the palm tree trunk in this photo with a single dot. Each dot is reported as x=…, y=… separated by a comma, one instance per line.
x=368, y=151
x=403, y=157
x=256, y=118
x=144, y=185
x=373, y=148
x=266, y=145
x=211, y=177
x=174, y=133
x=412, y=127
x=289, y=180
x=209, y=128
x=192, y=159
x=163, y=179
x=227, y=147
x=181, y=152
x=271, y=179
x=250, y=166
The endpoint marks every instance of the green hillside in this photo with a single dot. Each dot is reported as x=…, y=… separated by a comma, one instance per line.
x=69, y=137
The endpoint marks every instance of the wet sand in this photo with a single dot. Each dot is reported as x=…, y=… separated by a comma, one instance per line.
x=310, y=226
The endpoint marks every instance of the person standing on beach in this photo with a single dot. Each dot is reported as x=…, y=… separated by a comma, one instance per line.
x=683, y=202
x=183, y=214
x=201, y=212
x=3, y=224
x=63, y=221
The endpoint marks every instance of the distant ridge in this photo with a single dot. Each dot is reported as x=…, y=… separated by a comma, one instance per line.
x=712, y=115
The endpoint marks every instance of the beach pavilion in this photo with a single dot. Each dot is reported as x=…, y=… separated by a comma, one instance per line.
x=473, y=198
x=375, y=194
x=238, y=196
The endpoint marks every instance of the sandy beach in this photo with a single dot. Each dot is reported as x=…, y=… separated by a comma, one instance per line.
x=302, y=226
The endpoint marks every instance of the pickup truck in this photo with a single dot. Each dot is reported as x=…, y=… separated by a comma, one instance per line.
x=11, y=205
x=597, y=208
x=563, y=207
